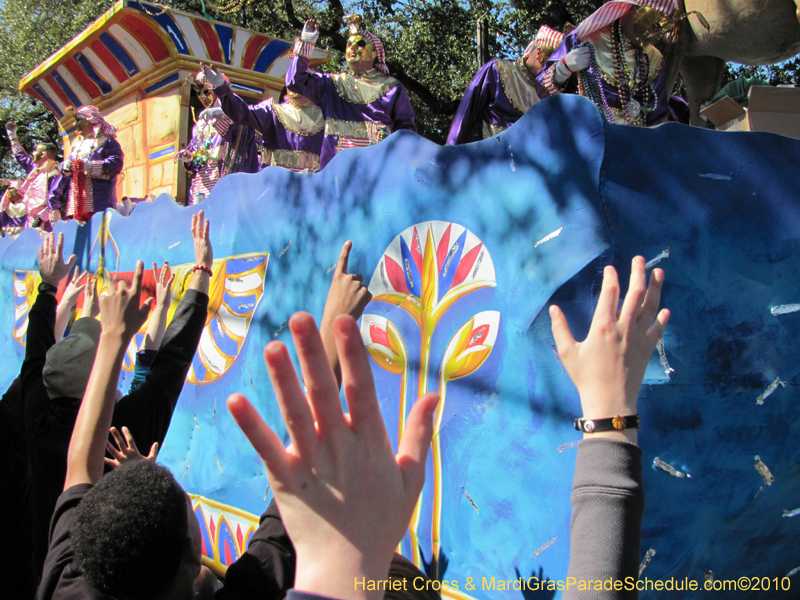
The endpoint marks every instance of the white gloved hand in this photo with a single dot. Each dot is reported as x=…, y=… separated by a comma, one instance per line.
x=183, y=155
x=310, y=31
x=213, y=76
x=575, y=60
x=11, y=130
x=211, y=113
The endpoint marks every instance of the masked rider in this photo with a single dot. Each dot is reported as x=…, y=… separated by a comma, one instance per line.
x=291, y=131
x=361, y=107
x=502, y=91
x=218, y=147
x=44, y=190
x=610, y=59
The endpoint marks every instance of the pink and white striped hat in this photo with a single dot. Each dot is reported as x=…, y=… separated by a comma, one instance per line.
x=95, y=117
x=611, y=11
x=546, y=36
x=354, y=22
x=380, y=53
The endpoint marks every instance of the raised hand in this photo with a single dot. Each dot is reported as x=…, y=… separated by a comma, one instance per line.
x=310, y=31
x=345, y=498
x=347, y=296
x=183, y=155
x=11, y=130
x=164, y=281
x=213, y=76
x=68, y=299
x=609, y=365
x=52, y=267
x=120, y=310
x=91, y=307
x=203, y=253
x=125, y=449
x=73, y=289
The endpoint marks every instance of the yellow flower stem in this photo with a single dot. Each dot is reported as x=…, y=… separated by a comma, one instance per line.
x=436, y=447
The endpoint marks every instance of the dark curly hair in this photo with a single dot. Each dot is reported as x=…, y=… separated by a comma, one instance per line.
x=130, y=530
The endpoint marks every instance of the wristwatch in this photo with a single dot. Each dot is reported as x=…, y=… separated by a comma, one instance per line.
x=46, y=288
x=617, y=423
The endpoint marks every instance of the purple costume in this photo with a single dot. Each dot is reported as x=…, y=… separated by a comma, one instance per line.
x=218, y=149
x=291, y=136
x=499, y=94
x=44, y=187
x=655, y=108
x=93, y=188
x=358, y=110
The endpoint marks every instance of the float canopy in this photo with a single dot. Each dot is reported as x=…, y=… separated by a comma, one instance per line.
x=142, y=46
x=131, y=64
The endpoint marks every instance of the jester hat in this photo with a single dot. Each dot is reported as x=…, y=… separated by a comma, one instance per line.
x=544, y=37
x=611, y=11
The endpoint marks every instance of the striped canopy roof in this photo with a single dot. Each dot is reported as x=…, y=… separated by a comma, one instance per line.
x=137, y=44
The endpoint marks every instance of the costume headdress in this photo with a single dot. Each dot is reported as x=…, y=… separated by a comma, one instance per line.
x=611, y=11
x=93, y=115
x=380, y=54
x=544, y=37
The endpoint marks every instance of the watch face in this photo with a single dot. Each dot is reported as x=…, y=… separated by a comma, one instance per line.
x=588, y=426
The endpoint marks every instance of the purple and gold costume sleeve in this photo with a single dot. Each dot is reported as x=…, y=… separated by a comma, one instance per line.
x=107, y=160
x=314, y=86
x=57, y=193
x=403, y=113
x=545, y=76
x=466, y=123
x=256, y=117
x=24, y=159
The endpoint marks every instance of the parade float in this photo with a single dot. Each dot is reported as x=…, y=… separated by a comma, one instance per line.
x=132, y=64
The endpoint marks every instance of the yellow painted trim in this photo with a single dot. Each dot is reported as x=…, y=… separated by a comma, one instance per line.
x=96, y=27
x=78, y=39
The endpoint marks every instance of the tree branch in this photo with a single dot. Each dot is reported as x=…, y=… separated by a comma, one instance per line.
x=288, y=6
x=424, y=93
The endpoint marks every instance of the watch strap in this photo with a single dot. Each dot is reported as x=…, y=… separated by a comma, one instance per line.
x=46, y=288
x=616, y=423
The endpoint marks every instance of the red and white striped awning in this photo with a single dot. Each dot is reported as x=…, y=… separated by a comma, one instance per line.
x=138, y=44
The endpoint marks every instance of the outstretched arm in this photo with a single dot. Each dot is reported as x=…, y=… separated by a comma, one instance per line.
x=345, y=498
x=348, y=296
x=158, y=320
x=41, y=319
x=298, y=79
x=608, y=368
x=121, y=317
x=147, y=410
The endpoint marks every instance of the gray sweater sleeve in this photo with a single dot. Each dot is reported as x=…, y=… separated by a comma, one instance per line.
x=607, y=509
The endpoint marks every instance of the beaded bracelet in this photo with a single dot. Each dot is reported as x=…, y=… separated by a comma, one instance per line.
x=204, y=269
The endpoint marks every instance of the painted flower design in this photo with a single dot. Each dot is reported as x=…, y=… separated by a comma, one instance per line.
x=429, y=266
x=384, y=343
x=471, y=345
x=424, y=271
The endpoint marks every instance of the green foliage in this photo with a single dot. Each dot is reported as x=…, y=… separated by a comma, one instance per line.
x=30, y=31
x=785, y=72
